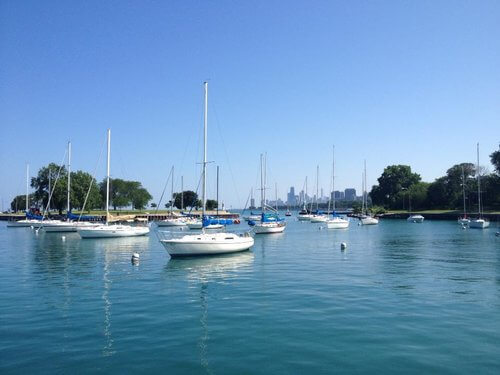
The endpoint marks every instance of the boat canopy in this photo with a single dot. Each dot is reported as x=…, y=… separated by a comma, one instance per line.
x=71, y=216
x=270, y=218
x=207, y=220
x=31, y=216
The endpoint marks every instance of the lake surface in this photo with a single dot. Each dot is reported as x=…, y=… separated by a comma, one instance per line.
x=403, y=297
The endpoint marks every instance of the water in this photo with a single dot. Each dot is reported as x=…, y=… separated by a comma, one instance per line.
x=403, y=297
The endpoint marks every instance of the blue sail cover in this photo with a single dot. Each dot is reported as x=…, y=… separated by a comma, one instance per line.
x=31, y=216
x=207, y=220
x=72, y=216
x=270, y=218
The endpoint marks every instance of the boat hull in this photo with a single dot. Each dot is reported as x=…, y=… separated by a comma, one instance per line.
x=268, y=228
x=304, y=217
x=337, y=224
x=416, y=219
x=171, y=223
x=369, y=221
x=319, y=219
x=479, y=224
x=112, y=231
x=206, y=244
x=23, y=223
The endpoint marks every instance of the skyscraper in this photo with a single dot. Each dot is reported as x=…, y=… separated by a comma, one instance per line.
x=350, y=194
x=291, y=197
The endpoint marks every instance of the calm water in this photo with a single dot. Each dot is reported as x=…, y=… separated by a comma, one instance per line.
x=403, y=298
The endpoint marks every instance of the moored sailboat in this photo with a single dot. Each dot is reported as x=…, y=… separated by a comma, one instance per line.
x=479, y=222
x=206, y=243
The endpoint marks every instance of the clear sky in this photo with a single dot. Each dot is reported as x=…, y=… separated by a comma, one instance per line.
x=392, y=82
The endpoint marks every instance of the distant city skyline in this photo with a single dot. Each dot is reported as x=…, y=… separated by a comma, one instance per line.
x=390, y=82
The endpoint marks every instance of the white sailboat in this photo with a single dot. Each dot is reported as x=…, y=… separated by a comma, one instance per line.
x=317, y=217
x=336, y=221
x=464, y=220
x=269, y=222
x=25, y=222
x=304, y=214
x=206, y=243
x=480, y=222
x=172, y=221
x=415, y=218
x=366, y=219
x=111, y=230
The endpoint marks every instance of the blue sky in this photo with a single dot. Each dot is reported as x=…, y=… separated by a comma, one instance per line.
x=410, y=82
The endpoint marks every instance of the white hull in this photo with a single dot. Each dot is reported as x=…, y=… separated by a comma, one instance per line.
x=207, y=244
x=304, y=217
x=66, y=226
x=263, y=228
x=112, y=231
x=23, y=223
x=337, y=223
x=479, y=224
x=171, y=223
x=319, y=218
x=416, y=219
x=369, y=220
x=195, y=225
x=463, y=221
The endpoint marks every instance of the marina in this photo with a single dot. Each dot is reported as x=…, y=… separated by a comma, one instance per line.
x=294, y=302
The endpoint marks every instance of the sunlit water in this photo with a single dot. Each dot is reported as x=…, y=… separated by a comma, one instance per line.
x=413, y=298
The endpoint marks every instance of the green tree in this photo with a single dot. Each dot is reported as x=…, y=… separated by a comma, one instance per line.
x=447, y=191
x=19, y=202
x=58, y=185
x=190, y=199
x=125, y=193
x=356, y=207
x=80, y=182
x=391, y=184
x=154, y=205
x=495, y=160
x=211, y=204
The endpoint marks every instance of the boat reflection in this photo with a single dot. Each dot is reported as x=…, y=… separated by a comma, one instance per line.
x=210, y=267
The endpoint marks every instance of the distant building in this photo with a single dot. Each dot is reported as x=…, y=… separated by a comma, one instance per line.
x=291, y=198
x=350, y=194
x=252, y=203
x=339, y=195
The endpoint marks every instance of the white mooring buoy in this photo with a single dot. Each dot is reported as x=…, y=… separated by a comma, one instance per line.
x=135, y=257
x=343, y=246
x=63, y=238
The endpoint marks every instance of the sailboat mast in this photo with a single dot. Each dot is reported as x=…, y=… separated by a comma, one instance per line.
x=305, y=197
x=27, y=187
x=69, y=176
x=317, y=188
x=217, y=198
x=172, y=193
x=107, y=175
x=262, y=183
x=478, y=183
x=463, y=189
x=364, y=190
x=333, y=177
x=276, y=195
x=182, y=193
x=205, y=118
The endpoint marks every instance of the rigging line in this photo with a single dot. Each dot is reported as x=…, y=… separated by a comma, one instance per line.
x=164, y=188
x=246, y=203
x=92, y=179
x=55, y=183
x=225, y=153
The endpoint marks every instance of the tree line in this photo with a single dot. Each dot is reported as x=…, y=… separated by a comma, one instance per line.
x=400, y=188
x=123, y=193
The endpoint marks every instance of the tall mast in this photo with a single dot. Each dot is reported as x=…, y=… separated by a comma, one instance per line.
x=265, y=176
x=217, y=198
x=50, y=189
x=27, y=187
x=463, y=189
x=182, y=193
x=333, y=177
x=276, y=195
x=317, y=188
x=305, y=197
x=172, y=193
x=205, y=119
x=107, y=175
x=69, y=177
x=262, y=206
x=364, y=191
x=478, y=183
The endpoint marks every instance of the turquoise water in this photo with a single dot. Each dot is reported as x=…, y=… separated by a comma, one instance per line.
x=403, y=297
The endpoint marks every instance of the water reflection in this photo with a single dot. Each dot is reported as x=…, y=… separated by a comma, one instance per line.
x=210, y=267
x=202, y=272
